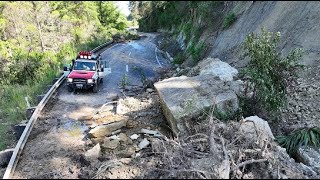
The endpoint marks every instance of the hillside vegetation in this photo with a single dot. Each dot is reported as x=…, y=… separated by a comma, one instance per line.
x=37, y=39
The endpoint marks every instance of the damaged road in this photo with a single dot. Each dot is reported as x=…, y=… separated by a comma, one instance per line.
x=82, y=134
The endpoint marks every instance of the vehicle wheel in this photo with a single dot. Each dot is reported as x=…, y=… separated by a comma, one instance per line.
x=101, y=80
x=95, y=88
x=70, y=89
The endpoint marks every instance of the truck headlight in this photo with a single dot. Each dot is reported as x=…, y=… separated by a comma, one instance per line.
x=69, y=80
x=90, y=80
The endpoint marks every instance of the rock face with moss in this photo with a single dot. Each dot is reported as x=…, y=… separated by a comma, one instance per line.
x=185, y=98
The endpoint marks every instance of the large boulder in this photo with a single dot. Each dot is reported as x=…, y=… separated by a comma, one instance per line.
x=217, y=68
x=184, y=98
x=257, y=127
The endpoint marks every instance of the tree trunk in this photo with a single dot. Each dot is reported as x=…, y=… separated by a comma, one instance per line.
x=38, y=25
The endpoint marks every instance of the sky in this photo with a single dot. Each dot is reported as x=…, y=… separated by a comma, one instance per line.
x=123, y=7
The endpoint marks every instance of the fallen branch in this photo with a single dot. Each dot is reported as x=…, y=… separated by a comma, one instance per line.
x=205, y=173
x=250, y=162
x=106, y=166
x=224, y=169
x=199, y=134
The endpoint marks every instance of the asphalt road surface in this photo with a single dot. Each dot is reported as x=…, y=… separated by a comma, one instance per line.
x=129, y=62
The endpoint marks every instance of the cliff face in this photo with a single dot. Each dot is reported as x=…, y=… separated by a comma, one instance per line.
x=299, y=25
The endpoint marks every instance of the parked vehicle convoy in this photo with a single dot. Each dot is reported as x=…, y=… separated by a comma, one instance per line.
x=86, y=72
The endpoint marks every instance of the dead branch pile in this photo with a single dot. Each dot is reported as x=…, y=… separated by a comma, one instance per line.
x=223, y=150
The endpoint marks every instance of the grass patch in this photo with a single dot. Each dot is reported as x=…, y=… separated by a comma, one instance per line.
x=229, y=20
x=124, y=81
x=13, y=105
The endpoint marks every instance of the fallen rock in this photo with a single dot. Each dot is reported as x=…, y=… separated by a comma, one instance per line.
x=116, y=132
x=256, y=129
x=127, y=153
x=106, y=129
x=114, y=137
x=143, y=144
x=154, y=133
x=134, y=136
x=217, y=68
x=308, y=170
x=310, y=157
x=123, y=137
x=97, y=140
x=125, y=105
x=93, y=153
x=111, y=143
x=131, y=124
x=184, y=98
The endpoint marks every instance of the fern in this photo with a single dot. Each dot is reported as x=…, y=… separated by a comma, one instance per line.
x=303, y=137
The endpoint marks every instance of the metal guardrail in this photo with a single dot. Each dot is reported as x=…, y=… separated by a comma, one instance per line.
x=101, y=46
x=24, y=137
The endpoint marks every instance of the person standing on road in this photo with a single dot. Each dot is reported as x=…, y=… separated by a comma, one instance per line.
x=72, y=64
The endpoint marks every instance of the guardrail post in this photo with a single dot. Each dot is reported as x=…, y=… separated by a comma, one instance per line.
x=29, y=112
x=40, y=97
x=19, y=128
x=54, y=80
x=5, y=157
x=49, y=87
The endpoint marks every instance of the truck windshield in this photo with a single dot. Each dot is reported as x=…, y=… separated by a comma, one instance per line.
x=87, y=66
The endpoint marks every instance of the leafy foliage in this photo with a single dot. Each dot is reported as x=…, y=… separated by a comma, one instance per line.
x=38, y=38
x=179, y=58
x=196, y=51
x=303, y=137
x=270, y=75
x=230, y=19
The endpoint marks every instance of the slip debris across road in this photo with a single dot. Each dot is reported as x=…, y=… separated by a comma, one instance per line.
x=105, y=134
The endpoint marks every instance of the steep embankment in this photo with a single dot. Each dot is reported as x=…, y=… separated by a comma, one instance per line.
x=298, y=24
x=299, y=27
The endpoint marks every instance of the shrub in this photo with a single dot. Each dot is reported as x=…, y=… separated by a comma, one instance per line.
x=269, y=74
x=229, y=19
x=179, y=58
x=196, y=51
x=303, y=137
